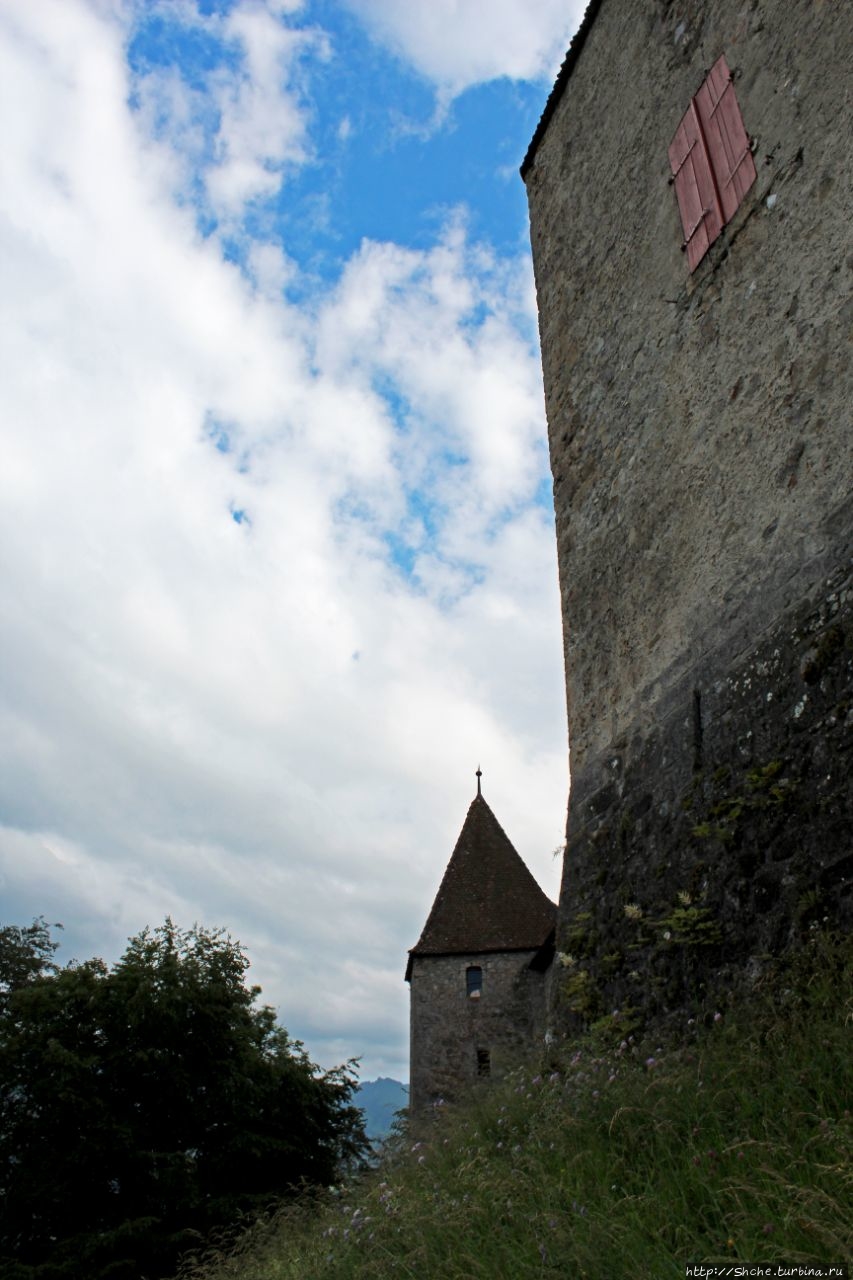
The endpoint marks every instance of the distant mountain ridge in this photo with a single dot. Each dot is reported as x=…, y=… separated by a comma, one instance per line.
x=379, y=1100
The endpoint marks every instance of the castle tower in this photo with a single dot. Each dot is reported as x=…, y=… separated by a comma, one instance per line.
x=698, y=385
x=478, y=972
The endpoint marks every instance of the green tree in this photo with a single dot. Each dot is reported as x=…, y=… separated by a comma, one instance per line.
x=143, y=1106
x=25, y=952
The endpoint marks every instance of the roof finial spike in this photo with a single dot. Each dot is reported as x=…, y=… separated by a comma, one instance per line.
x=479, y=776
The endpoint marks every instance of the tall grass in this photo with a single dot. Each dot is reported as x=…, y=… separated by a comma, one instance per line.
x=632, y=1159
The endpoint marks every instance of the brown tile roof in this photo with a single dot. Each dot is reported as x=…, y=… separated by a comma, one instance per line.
x=487, y=900
x=578, y=41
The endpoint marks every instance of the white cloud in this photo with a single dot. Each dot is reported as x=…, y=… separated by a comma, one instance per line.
x=239, y=126
x=460, y=43
x=263, y=724
x=450, y=331
x=262, y=121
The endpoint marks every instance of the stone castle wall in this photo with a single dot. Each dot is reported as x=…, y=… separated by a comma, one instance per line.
x=448, y=1026
x=702, y=452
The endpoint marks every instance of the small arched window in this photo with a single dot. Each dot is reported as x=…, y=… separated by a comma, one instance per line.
x=474, y=981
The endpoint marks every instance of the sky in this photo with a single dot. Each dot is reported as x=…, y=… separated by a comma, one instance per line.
x=277, y=555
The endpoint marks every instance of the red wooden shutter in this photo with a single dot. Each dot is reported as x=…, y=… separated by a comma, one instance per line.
x=711, y=162
x=698, y=204
x=725, y=137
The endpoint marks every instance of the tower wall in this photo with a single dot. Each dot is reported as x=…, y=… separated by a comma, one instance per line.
x=449, y=1027
x=702, y=453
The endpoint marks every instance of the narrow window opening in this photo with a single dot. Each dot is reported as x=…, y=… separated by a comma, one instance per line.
x=697, y=730
x=484, y=1062
x=473, y=981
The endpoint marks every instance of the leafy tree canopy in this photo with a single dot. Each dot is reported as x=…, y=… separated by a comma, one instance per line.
x=144, y=1105
x=25, y=952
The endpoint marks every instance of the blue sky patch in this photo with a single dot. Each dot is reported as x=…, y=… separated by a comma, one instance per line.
x=382, y=165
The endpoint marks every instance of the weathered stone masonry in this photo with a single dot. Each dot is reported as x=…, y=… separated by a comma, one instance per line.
x=450, y=1029
x=702, y=454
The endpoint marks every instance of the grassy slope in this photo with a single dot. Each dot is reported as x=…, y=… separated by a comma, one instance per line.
x=732, y=1146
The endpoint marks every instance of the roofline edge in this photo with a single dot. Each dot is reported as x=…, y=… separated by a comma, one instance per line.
x=569, y=62
x=414, y=954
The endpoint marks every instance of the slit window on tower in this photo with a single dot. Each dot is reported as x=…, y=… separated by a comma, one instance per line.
x=484, y=1062
x=474, y=981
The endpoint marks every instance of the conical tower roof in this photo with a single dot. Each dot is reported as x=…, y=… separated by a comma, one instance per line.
x=487, y=900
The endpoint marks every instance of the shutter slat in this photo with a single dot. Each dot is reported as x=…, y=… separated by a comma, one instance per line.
x=701, y=219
